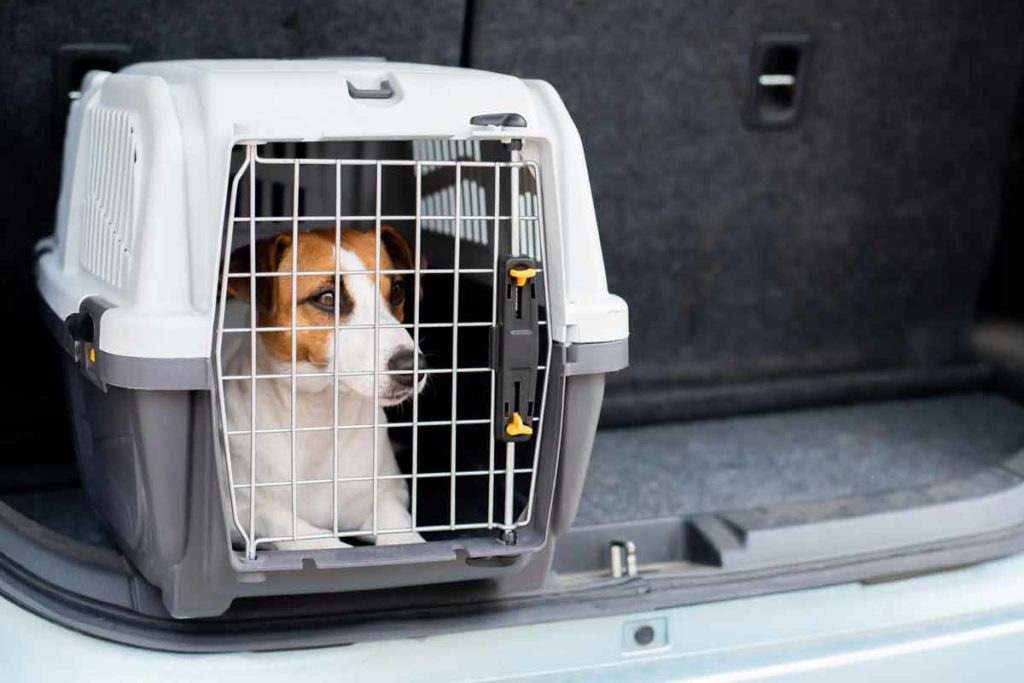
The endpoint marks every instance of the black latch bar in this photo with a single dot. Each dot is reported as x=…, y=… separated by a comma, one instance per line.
x=517, y=349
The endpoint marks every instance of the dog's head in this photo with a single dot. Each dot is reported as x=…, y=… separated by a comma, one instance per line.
x=317, y=299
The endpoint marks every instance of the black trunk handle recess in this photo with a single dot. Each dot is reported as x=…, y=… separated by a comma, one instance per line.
x=517, y=349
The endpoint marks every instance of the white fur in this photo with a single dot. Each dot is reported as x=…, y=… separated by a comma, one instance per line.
x=353, y=351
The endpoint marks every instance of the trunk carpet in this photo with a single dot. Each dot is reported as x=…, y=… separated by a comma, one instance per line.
x=804, y=455
x=741, y=462
x=66, y=511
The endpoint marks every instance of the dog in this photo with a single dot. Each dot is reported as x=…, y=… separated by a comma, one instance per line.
x=321, y=351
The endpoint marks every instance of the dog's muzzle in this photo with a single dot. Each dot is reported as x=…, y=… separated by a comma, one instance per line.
x=402, y=365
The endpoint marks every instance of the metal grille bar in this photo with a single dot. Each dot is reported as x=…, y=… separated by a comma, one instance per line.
x=367, y=218
x=382, y=326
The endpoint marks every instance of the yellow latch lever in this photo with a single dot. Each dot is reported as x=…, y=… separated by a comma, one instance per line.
x=517, y=428
x=522, y=275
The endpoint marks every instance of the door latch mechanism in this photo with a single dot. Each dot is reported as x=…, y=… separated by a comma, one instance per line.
x=518, y=346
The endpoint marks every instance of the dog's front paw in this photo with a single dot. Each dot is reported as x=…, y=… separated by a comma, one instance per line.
x=399, y=539
x=312, y=544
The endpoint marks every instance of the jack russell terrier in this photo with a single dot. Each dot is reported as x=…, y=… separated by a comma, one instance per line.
x=319, y=351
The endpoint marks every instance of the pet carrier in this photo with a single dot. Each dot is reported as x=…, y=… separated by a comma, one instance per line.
x=330, y=325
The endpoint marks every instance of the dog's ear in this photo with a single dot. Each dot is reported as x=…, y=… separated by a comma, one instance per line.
x=397, y=248
x=399, y=251
x=268, y=260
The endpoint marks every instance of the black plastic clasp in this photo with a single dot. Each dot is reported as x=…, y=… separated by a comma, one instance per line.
x=517, y=348
x=83, y=335
x=80, y=327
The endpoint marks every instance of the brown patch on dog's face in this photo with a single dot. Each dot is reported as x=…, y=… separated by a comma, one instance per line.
x=394, y=255
x=317, y=297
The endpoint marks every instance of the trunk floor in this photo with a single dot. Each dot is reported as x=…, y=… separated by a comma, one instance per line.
x=802, y=455
x=66, y=511
x=734, y=463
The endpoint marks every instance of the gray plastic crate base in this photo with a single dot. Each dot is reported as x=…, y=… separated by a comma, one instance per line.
x=148, y=463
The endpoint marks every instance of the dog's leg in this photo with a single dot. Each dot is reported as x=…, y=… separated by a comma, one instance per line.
x=393, y=514
x=274, y=518
x=304, y=528
x=311, y=544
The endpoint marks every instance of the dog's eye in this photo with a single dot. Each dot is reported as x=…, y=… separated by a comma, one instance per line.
x=324, y=299
x=397, y=291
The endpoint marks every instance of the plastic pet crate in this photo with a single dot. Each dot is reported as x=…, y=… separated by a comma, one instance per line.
x=330, y=325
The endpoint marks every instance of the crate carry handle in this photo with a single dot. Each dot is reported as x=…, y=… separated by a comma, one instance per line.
x=502, y=120
x=384, y=92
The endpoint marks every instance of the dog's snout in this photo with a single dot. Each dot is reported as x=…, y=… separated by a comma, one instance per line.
x=402, y=362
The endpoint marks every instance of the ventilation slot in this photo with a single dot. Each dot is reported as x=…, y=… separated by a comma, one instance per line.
x=441, y=202
x=107, y=209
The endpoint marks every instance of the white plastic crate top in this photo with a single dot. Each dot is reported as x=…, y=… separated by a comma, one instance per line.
x=140, y=224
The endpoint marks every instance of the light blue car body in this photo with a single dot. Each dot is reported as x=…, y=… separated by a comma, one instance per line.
x=960, y=625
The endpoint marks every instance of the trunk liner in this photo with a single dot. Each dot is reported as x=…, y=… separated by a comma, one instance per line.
x=803, y=455
x=734, y=463
x=66, y=511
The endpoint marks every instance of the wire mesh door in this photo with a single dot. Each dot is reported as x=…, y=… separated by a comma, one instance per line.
x=355, y=346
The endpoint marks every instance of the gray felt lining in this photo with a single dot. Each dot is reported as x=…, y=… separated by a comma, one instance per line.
x=853, y=241
x=687, y=467
x=66, y=511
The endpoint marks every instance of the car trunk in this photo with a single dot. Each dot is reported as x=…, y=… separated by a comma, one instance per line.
x=824, y=352
x=827, y=326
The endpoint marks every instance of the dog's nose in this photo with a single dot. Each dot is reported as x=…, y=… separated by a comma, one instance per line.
x=403, y=361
